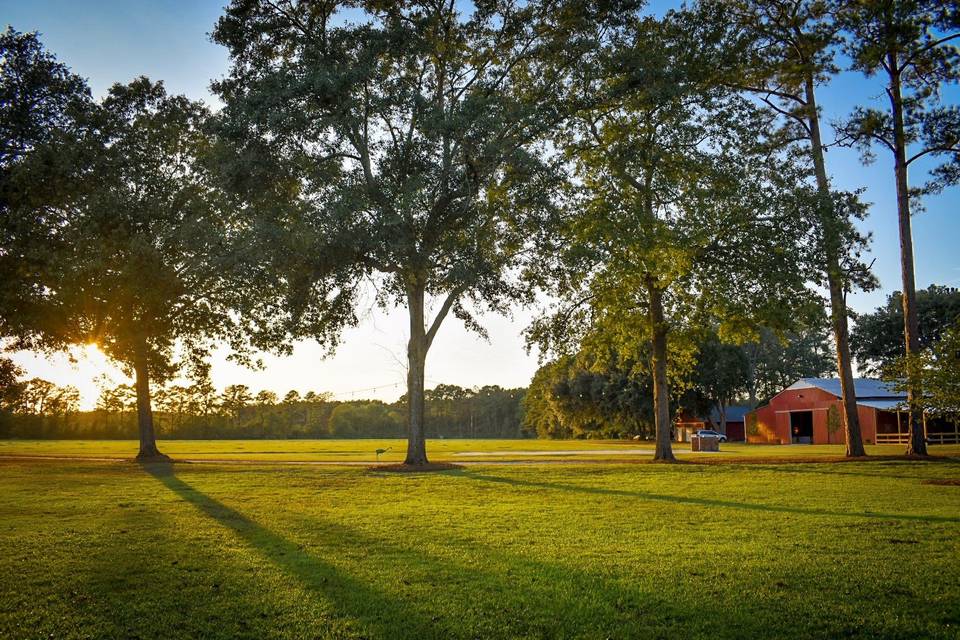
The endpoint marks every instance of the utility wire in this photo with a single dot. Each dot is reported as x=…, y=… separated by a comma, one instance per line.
x=394, y=385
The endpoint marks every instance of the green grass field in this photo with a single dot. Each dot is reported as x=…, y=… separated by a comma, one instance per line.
x=118, y=550
x=438, y=450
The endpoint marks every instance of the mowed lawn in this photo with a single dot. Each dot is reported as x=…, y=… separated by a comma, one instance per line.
x=364, y=450
x=119, y=550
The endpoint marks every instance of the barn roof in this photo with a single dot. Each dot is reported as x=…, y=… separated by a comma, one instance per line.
x=892, y=404
x=866, y=388
x=735, y=413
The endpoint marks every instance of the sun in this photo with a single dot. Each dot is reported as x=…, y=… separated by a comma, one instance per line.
x=93, y=361
x=91, y=349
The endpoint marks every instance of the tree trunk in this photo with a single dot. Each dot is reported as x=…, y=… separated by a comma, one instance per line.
x=911, y=330
x=416, y=365
x=848, y=393
x=148, y=439
x=838, y=303
x=661, y=389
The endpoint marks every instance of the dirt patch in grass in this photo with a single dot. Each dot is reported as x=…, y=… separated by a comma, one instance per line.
x=944, y=482
x=416, y=468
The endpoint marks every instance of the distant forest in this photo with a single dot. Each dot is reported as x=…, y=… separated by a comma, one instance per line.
x=39, y=409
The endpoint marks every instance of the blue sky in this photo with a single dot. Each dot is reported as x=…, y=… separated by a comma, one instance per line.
x=111, y=41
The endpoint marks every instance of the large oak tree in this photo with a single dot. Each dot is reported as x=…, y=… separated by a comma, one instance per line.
x=681, y=216
x=394, y=142
x=128, y=251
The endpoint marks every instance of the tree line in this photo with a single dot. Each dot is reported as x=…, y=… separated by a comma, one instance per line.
x=663, y=178
x=37, y=408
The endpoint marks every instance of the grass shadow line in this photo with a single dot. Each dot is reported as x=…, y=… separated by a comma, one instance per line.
x=703, y=502
x=353, y=599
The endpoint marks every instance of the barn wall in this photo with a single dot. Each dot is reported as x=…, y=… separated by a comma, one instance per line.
x=783, y=426
x=821, y=434
x=868, y=424
x=764, y=430
x=735, y=431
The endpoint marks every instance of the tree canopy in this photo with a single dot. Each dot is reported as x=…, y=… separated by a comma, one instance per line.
x=398, y=143
x=679, y=217
x=130, y=252
x=878, y=336
x=913, y=45
x=775, y=362
x=39, y=96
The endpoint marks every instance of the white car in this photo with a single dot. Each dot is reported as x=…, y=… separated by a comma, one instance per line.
x=710, y=433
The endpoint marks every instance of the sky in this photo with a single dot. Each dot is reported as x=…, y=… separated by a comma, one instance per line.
x=110, y=41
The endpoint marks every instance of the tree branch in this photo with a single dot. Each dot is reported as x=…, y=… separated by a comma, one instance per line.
x=780, y=94
x=930, y=150
x=936, y=43
x=442, y=313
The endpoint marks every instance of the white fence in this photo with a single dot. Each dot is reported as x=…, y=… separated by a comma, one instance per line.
x=932, y=438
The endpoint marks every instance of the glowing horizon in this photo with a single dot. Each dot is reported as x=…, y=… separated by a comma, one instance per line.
x=368, y=364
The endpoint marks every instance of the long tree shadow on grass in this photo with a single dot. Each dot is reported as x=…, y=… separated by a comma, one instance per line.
x=825, y=469
x=550, y=603
x=522, y=596
x=703, y=502
x=519, y=595
x=352, y=598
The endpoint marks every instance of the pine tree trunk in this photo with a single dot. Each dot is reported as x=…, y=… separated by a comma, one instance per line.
x=838, y=303
x=848, y=393
x=752, y=378
x=911, y=329
x=148, y=439
x=661, y=389
x=416, y=366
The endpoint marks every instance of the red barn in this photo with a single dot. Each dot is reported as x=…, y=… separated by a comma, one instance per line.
x=809, y=412
x=688, y=424
x=735, y=426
